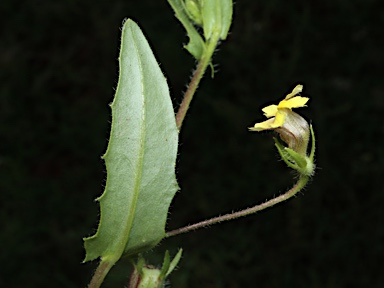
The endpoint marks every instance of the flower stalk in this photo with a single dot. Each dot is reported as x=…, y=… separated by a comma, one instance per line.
x=303, y=180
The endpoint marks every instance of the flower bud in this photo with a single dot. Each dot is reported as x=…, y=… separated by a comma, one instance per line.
x=295, y=132
x=293, y=129
x=217, y=17
x=193, y=10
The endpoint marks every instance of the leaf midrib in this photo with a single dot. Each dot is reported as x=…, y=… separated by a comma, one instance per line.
x=122, y=243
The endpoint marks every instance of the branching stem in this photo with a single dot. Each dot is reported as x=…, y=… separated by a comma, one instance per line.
x=230, y=216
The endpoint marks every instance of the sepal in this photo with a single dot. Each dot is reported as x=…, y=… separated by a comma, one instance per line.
x=301, y=163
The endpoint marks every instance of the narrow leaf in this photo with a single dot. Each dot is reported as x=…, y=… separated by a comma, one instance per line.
x=196, y=44
x=226, y=17
x=174, y=262
x=165, y=266
x=140, y=158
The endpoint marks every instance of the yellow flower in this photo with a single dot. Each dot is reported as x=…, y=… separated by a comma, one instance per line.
x=278, y=113
x=292, y=128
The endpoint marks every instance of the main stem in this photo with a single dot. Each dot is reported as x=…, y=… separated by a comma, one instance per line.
x=100, y=273
x=195, y=80
x=291, y=192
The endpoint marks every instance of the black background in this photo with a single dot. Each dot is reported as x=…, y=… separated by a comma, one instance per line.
x=58, y=73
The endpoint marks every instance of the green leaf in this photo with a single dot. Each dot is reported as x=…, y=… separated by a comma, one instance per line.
x=196, y=44
x=140, y=158
x=168, y=265
x=174, y=262
x=226, y=18
x=165, y=266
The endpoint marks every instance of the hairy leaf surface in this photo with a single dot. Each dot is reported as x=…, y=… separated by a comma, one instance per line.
x=140, y=158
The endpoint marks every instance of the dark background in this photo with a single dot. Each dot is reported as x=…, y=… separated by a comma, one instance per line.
x=58, y=73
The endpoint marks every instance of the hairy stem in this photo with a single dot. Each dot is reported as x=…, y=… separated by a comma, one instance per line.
x=100, y=273
x=195, y=80
x=291, y=192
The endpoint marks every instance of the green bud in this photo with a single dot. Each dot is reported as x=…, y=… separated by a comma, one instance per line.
x=295, y=132
x=147, y=276
x=193, y=10
x=217, y=17
x=150, y=278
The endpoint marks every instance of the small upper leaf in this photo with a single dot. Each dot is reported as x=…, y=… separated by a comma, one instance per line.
x=196, y=43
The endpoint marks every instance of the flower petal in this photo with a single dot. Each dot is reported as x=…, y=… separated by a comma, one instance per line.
x=280, y=118
x=294, y=102
x=270, y=111
x=265, y=125
x=298, y=89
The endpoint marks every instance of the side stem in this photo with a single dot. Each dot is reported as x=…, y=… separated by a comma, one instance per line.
x=291, y=192
x=195, y=80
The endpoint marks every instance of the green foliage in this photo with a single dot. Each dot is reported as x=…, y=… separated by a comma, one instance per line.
x=215, y=16
x=140, y=157
x=196, y=44
x=169, y=266
x=55, y=121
